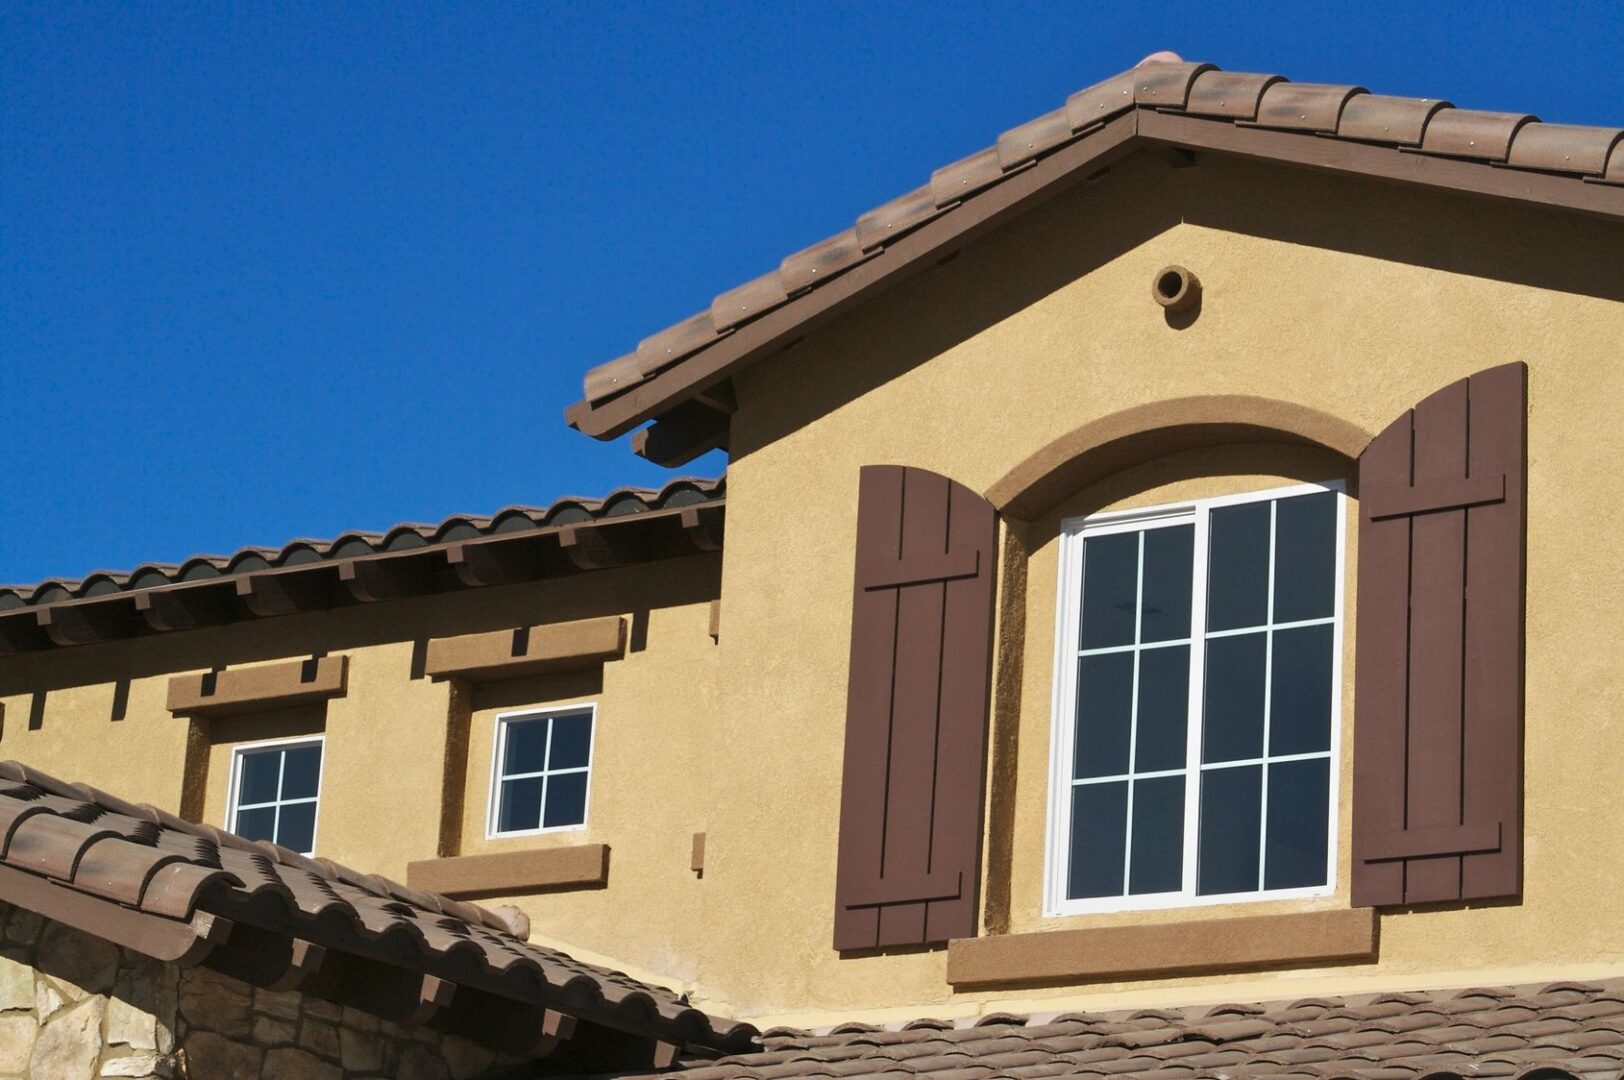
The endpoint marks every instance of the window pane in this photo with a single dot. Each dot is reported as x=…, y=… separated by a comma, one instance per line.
x=1158, y=836
x=256, y=824
x=301, y=769
x=257, y=779
x=521, y=805
x=1232, y=705
x=1238, y=568
x=1164, y=709
x=572, y=741
x=1299, y=803
x=566, y=799
x=1110, y=581
x=1231, y=802
x=1099, y=820
x=1165, y=614
x=297, y=829
x=1305, y=557
x=526, y=747
x=1104, y=711
x=1300, y=691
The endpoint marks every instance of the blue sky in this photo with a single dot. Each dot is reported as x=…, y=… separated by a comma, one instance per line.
x=277, y=271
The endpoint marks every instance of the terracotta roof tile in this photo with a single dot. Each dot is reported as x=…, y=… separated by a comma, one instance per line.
x=1482, y=1032
x=1304, y=106
x=1567, y=155
x=96, y=845
x=684, y=491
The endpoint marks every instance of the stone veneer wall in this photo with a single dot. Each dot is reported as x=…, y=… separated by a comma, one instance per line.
x=73, y=1006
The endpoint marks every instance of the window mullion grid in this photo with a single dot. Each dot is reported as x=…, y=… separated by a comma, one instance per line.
x=276, y=815
x=1195, y=715
x=546, y=760
x=1133, y=715
x=1268, y=692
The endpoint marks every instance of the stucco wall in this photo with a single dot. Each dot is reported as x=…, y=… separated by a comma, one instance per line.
x=1353, y=299
x=386, y=748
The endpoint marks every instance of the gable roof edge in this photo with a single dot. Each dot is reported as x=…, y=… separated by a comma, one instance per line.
x=1162, y=102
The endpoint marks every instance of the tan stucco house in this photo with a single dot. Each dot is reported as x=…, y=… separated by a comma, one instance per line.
x=1155, y=622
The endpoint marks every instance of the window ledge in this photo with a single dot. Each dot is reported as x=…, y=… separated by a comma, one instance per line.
x=581, y=866
x=1103, y=954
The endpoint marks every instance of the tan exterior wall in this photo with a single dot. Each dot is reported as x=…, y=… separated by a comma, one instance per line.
x=1353, y=299
x=1348, y=298
x=385, y=757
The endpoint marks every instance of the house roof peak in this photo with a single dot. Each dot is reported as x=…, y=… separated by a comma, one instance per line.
x=680, y=376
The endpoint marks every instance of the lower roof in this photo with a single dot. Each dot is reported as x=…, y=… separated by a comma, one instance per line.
x=1559, y=1031
x=514, y=545
x=189, y=893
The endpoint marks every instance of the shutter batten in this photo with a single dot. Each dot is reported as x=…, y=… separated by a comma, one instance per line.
x=916, y=724
x=1438, y=734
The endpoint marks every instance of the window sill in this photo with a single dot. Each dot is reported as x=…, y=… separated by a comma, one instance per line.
x=581, y=866
x=1103, y=954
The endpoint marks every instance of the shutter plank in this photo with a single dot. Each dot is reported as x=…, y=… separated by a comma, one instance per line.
x=962, y=766
x=1381, y=690
x=915, y=709
x=1437, y=582
x=868, y=727
x=1492, y=755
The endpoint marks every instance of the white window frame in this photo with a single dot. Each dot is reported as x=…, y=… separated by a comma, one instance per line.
x=1063, y=723
x=498, y=749
x=242, y=750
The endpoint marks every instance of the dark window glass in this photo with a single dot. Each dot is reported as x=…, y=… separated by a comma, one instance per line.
x=1164, y=709
x=1231, y=802
x=572, y=741
x=258, y=779
x=1104, y=713
x=1158, y=836
x=1232, y=705
x=297, y=828
x=1165, y=611
x=1099, y=819
x=1300, y=691
x=526, y=747
x=257, y=824
x=520, y=806
x=301, y=771
x=1299, y=800
x=1238, y=568
x=1110, y=581
x=1305, y=557
x=566, y=800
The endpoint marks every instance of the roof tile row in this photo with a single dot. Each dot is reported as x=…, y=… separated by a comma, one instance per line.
x=1558, y=1030
x=1419, y=125
x=571, y=510
x=154, y=863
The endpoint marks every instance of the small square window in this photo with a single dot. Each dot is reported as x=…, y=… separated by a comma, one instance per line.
x=1196, y=706
x=274, y=792
x=543, y=761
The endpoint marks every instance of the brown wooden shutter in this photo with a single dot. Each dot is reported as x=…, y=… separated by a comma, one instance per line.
x=1437, y=788
x=916, y=712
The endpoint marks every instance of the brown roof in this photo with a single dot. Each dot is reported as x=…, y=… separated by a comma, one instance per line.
x=1560, y=1030
x=1160, y=102
x=191, y=893
x=522, y=542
